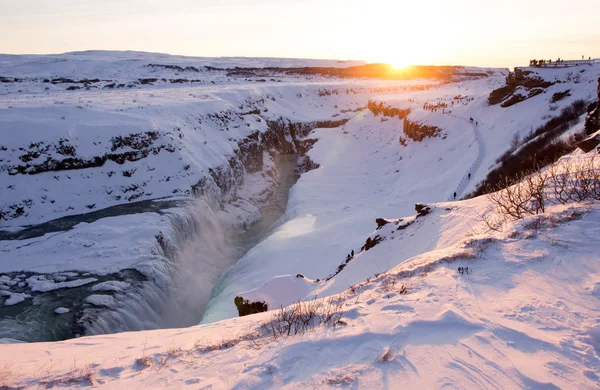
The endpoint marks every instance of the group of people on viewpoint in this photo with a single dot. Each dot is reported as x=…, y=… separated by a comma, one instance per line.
x=558, y=62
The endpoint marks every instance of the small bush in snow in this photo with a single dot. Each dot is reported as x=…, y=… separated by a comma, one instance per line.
x=302, y=317
x=342, y=380
x=560, y=184
x=129, y=172
x=143, y=362
x=75, y=377
x=5, y=377
x=527, y=197
x=386, y=356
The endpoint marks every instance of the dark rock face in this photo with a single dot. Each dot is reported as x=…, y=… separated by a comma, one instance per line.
x=371, y=242
x=141, y=143
x=592, y=122
x=518, y=78
x=387, y=110
x=560, y=96
x=381, y=223
x=175, y=68
x=282, y=136
x=523, y=78
x=499, y=95
x=305, y=164
x=246, y=308
x=419, y=207
x=221, y=183
x=148, y=81
x=418, y=131
x=425, y=210
x=588, y=144
x=514, y=99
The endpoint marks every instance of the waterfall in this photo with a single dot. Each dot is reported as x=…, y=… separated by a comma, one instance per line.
x=182, y=275
x=186, y=270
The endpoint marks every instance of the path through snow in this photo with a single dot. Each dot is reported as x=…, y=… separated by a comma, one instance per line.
x=464, y=182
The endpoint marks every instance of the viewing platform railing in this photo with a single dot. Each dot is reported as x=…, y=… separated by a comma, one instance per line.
x=565, y=63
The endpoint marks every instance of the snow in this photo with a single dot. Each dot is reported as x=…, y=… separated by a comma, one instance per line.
x=10, y=341
x=101, y=300
x=505, y=324
x=103, y=246
x=107, y=65
x=16, y=298
x=41, y=284
x=524, y=316
x=61, y=310
x=113, y=285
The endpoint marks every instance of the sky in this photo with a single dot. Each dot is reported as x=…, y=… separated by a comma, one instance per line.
x=503, y=33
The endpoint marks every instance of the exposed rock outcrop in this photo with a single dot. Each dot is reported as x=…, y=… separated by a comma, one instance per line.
x=282, y=137
x=519, y=78
x=418, y=131
x=592, y=122
x=246, y=308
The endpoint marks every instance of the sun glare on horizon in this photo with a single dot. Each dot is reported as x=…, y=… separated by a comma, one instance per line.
x=399, y=65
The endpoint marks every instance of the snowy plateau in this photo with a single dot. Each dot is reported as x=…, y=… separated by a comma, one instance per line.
x=149, y=202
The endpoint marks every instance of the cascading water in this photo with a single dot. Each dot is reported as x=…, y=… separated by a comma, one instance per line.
x=190, y=265
x=182, y=277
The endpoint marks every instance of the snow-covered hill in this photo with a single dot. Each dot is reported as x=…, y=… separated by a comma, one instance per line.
x=523, y=316
x=392, y=308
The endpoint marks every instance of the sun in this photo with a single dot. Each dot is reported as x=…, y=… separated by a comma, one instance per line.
x=399, y=64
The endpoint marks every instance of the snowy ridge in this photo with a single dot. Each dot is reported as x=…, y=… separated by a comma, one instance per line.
x=107, y=64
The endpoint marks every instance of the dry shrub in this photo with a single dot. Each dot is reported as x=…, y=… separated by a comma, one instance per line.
x=527, y=197
x=75, y=377
x=386, y=356
x=226, y=343
x=493, y=220
x=171, y=353
x=535, y=224
x=560, y=184
x=6, y=376
x=388, y=283
x=463, y=254
x=143, y=361
x=303, y=316
x=342, y=380
x=576, y=183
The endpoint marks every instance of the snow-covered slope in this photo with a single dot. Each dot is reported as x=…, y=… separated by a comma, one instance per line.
x=395, y=310
x=524, y=316
x=365, y=173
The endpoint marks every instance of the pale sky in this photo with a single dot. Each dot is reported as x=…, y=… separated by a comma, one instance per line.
x=503, y=33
